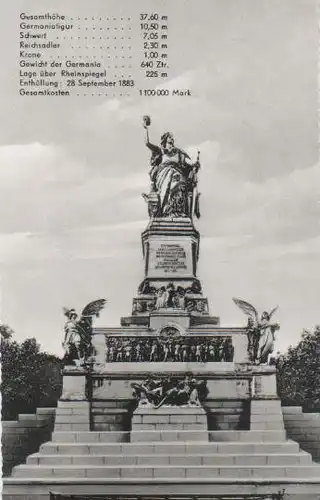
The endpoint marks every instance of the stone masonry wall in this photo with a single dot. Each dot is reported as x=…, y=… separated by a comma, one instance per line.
x=303, y=428
x=24, y=436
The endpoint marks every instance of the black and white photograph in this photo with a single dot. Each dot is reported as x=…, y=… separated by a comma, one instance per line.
x=160, y=250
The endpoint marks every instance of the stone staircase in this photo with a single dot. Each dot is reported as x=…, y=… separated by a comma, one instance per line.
x=157, y=456
x=304, y=428
x=24, y=436
x=169, y=454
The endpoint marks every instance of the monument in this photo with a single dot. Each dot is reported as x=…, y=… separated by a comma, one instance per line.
x=170, y=404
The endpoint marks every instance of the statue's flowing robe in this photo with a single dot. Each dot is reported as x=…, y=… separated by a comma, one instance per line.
x=170, y=180
x=72, y=336
x=266, y=341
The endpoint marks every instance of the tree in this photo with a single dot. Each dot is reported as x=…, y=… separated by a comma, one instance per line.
x=299, y=372
x=30, y=378
x=5, y=332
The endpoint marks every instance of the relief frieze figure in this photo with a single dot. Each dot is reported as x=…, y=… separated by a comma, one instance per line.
x=169, y=296
x=170, y=346
x=170, y=391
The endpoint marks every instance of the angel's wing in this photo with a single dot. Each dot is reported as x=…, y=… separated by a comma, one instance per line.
x=93, y=308
x=271, y=313
x=247, y=308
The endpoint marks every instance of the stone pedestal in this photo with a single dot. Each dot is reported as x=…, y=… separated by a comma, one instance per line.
x=171, y=247
x=74, y=384
x=73, y=411
x=240, y=344
x=171, y=290
x=264, y=382
x=169, y=418
x=99, y=345
x=266, y=413
x=169, y=423
x=72, y=416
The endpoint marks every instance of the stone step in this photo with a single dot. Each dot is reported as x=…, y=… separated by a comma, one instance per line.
x=291, y=409
x=123, y=403
x=302, y=416
x=163, y=411
x=165, y=435
x=248, y=436
x=168, y=448
x=184, y=459
x=171, y=471
x=109, y=411
x=74, y=405
x=168, y=435
x=197, y=426
x=90, y=436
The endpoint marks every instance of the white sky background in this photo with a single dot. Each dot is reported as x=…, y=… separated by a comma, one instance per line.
x=72, y=169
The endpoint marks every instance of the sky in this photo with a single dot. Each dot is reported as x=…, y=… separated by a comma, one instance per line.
x=72, y=170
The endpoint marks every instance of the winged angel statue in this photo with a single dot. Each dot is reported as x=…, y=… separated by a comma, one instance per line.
x=261, y=332
x=78, y=332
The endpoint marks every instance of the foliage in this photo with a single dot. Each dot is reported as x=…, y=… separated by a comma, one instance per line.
x=299, y=372
x=5, y=332
x=30, y=378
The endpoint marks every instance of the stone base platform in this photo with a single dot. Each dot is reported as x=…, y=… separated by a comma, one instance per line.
x=105, y=463
x=160, y=457
x=163, y=489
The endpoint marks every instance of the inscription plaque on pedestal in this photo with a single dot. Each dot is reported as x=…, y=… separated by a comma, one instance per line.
x=172, y=259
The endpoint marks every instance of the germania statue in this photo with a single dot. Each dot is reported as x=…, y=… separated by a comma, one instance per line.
x=173, y=179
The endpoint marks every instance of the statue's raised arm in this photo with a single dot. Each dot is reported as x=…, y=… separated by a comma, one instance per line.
x=156, y=150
